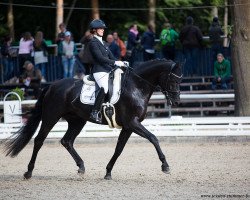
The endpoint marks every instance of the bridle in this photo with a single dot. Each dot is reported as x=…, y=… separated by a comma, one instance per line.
x=172, y=91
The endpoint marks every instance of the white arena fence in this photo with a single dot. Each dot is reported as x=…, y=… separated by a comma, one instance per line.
x=158, y=97
x=174, y=126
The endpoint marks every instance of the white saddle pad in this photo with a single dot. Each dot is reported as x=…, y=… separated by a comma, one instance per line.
x=88, y=90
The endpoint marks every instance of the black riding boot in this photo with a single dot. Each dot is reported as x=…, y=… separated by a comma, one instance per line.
x=96, y=114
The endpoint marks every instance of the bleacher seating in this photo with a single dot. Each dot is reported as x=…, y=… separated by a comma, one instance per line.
x=197, y=99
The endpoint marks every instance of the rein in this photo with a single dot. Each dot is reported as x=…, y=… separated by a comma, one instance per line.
x=150, y=84
x=147, y=82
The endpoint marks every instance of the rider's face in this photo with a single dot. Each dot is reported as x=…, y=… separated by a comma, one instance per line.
x=100, y=32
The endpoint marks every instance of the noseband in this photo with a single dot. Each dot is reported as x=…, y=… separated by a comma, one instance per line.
x=172, y=91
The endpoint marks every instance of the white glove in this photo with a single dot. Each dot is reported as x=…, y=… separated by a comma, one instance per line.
x=119, y=63
x=126, y=63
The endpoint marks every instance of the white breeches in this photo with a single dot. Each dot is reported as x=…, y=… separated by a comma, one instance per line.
x=102, y=79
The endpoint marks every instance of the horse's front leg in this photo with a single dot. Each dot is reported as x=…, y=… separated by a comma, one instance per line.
x=139, y=129
x=122, y=140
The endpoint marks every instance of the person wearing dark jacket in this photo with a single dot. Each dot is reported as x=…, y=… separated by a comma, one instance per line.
x=7, y=60
x=40, y=53
x=113, y=47
x=103, y=63
x=191, y=40
x=132, y=42
x=85, y=58
x=148, y=43
x=215, y=33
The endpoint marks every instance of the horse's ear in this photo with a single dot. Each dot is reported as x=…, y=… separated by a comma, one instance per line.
x=177, y=69
x=177, y=72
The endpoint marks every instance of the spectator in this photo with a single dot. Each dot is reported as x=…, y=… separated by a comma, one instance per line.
x=40, y=53
x=113, y=47
x=148, y=43
x=222, y=72
x=121, y=45
x=7, y=53
x=87, y=36
x=215, y=33
x=133, y=40
x=31, y=78
x=168, y=38
x=25, y=50
x=84, y=59
x=61, y=34
x=59, y=39
x=191, y=40
x=67, y=49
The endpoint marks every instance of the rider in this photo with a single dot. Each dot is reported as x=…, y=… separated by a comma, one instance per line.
x=104, y=62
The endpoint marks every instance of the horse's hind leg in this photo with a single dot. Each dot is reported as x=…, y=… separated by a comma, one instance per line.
x=38, y=142
x=122, y=140
x=74, y=128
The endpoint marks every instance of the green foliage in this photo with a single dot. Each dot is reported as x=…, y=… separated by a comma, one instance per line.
x=19, y=91
x=229, y=29
x=44, y=19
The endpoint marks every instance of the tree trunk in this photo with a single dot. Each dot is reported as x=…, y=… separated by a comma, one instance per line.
x=215, y=12
x=10, y=20
x=70, y=12
x=59, y=15
x=95, y=9
x=240, y=56
x=225, y=43
x=151, y=14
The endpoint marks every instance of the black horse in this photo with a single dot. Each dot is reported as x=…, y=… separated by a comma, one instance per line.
x=55, y=102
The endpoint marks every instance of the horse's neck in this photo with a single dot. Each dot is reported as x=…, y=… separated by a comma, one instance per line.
x=145, y=87
x=149, y=74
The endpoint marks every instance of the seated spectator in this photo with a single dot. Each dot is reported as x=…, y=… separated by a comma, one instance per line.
x=113, y=47
x=31, y=78
x=222, y=72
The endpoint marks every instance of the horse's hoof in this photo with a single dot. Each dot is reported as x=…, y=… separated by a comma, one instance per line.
x=165, y=170
x=108, y=177
x=27, y=175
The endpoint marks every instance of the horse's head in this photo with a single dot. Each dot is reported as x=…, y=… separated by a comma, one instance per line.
x=170, y=84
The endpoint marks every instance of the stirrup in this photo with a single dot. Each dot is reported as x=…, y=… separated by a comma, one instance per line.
x=96, y=116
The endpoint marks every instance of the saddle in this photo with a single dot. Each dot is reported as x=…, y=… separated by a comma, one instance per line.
x=88, y=94
x=90, y=88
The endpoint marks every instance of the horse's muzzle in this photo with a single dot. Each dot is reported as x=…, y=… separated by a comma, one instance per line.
x=173, y=98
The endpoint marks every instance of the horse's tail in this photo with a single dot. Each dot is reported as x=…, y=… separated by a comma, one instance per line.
x=21, y=138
